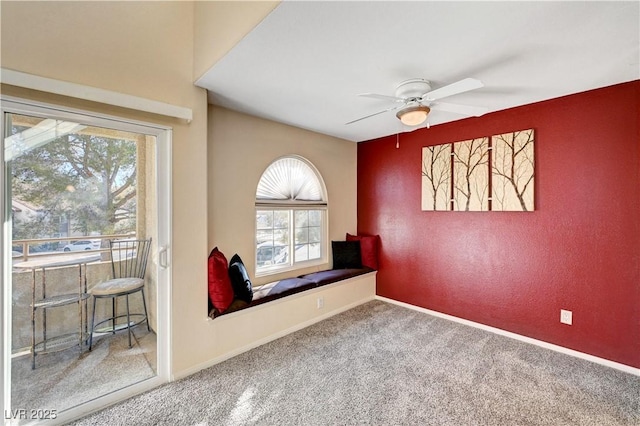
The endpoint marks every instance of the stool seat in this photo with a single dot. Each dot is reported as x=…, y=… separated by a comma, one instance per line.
x=118, y=286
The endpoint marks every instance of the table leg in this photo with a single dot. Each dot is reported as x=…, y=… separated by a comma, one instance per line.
x=33, y=319
x=44, y=311
x=80, y=307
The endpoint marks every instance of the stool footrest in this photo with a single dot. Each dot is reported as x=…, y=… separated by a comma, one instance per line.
x=101, y=328
x=118, y=327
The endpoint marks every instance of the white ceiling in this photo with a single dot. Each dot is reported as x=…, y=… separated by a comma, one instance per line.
x=306, y=62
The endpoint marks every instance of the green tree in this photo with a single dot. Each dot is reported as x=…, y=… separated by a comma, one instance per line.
x=90, y=178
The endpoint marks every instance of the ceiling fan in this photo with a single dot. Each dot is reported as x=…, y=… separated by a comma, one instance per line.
x=416, y=100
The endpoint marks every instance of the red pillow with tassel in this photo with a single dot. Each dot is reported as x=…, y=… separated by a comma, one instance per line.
x=220, y=289
x=368, y=248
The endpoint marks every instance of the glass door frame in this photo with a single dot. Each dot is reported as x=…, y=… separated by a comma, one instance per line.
x=163, y=203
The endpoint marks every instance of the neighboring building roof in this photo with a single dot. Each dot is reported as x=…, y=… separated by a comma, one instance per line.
x=18, y=205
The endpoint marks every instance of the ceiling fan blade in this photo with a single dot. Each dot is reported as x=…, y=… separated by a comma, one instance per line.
x=460, y=109
x=375, y=113
x=383, y=97
x=453, y=89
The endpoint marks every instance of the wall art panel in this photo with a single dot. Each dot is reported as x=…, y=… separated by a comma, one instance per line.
x=512, y=171
x=436, y=177
x=471, y=175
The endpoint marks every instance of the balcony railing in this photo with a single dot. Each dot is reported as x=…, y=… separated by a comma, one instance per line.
x=61, y=272
x=27, y=253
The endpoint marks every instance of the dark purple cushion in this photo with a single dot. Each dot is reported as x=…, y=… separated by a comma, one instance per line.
x=236, y=305
x=333, y=275
x=280, y=289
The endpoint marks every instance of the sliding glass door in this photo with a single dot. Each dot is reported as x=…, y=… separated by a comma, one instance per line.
x=73, y=184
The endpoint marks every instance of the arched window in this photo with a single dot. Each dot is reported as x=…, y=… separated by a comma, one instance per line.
x=291, y=216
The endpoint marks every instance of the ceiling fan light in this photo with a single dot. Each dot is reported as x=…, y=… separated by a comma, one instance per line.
x=413, y=116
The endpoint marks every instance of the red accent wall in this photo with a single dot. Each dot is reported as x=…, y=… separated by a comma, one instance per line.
x=579, y=250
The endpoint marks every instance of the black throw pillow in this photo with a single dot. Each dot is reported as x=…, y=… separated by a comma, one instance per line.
x=240, y=279
x=346, y=254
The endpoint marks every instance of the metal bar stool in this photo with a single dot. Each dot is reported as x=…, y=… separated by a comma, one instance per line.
x=128, y=265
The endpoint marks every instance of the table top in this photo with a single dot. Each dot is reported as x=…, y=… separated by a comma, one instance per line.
x=56, y=261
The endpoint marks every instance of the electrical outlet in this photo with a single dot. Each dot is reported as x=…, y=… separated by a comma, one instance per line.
x=320, y=302
x=566, y=317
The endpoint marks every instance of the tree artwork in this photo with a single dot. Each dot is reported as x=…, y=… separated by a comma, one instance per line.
x=436, y=177
x=513, y=171
x=482, y=174
x=471, y=175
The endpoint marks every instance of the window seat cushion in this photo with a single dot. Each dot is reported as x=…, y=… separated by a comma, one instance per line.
x=278, y=289
x=332, y=275
x=283, y=288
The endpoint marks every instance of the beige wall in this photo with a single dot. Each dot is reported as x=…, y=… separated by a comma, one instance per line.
x=139, y=48
x=240, y=149
x=146, y=49
x=220, y=25
x=143, y=49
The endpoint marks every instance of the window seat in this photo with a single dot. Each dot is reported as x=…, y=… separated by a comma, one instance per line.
x=289, y=286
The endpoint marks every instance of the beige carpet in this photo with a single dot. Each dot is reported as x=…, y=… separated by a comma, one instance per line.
x=67, y=378
x=382, y=364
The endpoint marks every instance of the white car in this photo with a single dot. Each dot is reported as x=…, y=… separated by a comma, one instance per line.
x=79, y=246
x=270, y=254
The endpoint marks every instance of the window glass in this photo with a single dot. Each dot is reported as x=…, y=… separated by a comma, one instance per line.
x=272, y=237
x=308, y=231
x=72, y=183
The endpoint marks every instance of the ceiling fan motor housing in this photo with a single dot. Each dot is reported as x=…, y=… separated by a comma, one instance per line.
x=414, y=88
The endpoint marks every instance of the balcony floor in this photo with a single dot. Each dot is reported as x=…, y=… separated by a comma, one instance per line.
x=68, y=378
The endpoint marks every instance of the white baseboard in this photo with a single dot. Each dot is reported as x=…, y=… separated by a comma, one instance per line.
x=607, y=363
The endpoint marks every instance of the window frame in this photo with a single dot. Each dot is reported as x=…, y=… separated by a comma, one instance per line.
x=291, y=206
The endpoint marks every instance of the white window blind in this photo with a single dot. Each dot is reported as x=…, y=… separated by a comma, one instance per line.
x=290, y=180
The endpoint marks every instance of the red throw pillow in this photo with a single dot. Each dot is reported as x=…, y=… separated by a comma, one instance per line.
x=368, y=248
x=220, y=290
